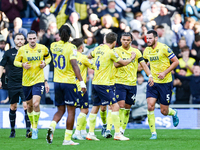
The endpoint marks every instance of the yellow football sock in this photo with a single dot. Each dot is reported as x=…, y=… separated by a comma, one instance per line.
x=151, y=121
x=68, y=134
x=121, y=116
x=30, y=116
x=103, y=116
x=109, y=120
x=126, y=118
x=92, y=119
x=84, y=124
x=116, y=121
x=53, y=124
x=171, y=112
x=80, y=121
x=36, y=116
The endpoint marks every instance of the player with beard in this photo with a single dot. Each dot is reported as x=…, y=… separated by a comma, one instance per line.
x=159, y=55
x=15, y=84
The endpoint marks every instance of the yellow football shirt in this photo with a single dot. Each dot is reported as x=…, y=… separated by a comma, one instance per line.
x=34, y=57
x=104, y=59
x=127, y=75
x=182, y=64
x=83, y=64
x=62, y=54
x=159, y=59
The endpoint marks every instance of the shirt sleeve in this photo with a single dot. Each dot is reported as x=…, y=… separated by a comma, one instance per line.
x=47, y=56
x=73, y=54
x=86, y=62
x=4, y=60
x=139, y=56
x=114, y=56
x=18, y=58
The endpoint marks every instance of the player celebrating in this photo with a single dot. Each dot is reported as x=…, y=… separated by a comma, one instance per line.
x=126, y=77
x=15, y=89
x=84, y=64
x=104, y=58
x=33, y=58
x=65, y=72
x=159, y=56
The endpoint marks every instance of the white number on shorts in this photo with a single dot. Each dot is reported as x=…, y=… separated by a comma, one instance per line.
x=42, y=89
x=167, y=97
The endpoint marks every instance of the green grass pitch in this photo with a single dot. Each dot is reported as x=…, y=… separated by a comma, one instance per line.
x=139, y=140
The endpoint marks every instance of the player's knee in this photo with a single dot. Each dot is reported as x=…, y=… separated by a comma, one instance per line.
x=36, y=104
x=151, y=107
x=115, y=107
x=13, y=106
x=103, y=108
x=164, y=112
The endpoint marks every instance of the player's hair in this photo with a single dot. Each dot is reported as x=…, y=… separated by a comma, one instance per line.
x=111, y=37
x=64, y=33
x=77, y=42
x=137, y=14
x=160, y=27
x=19, y=34
x=185, y=48
x=127, y=34
x=31, y=32
x=197, y=38
x=155, y=34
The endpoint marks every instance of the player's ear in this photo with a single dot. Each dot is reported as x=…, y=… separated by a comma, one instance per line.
x=156, y=38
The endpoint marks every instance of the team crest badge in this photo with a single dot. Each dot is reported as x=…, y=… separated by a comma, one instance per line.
x=169, y=50
x=117, y=96
x=39, y=50
x=157, y=50
x=107, y=90
x=75, y=90
x=113, y=99
x=26, y=51
x=122, y=52
x=86, y=104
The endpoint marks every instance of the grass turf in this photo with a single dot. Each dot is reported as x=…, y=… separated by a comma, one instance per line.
x=139, y=140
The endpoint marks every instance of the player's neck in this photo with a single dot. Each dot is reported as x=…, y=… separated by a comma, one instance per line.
x=32, y=46
x=16, y=47
x=126, y=48
x=109, y=45
x=154, y=46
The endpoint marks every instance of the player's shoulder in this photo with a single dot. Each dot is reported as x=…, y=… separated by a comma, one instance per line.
x=41, y=46
x=135, y=50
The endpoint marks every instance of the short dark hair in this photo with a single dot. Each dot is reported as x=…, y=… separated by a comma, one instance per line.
x=160, y=27
x=77, y=42
x=31, y=32
x=127, y=34
x=111, y=37
x=185, y=48
x=19, y=34
x=155, y=34
x=197, y=38
x=64, y=33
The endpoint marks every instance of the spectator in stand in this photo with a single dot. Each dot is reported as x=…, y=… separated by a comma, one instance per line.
x=116, y=16
x=177, y=49
x=3, y=90
x=12, y=9
x=176, y=27
x=91, y=29
x=191, y=10
x=146, y=5
x=62, y=10
x=74, y=25
x=97, y=6
x=195, y=51
x=179, y=4
x=136, y=23
x=137, y=37
x=187, y=31
x=162, y=36
x=4, y=24
x=27, y=11
x=182, y=88
x=186, y=61
x=152, y=13
x=133, y=6
x=82, y=7
x=90, y=45
x=196, y=28
x=17, y=29
x=194, y=84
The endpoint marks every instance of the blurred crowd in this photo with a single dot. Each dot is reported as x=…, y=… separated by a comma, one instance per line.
x=176, y=22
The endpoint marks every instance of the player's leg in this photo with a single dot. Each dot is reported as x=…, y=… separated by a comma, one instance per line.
x=12, y=117
x=92, y=123
x=165, y=99
x=80, y=132
x=120, y=94
x=56, y=118
x=108, y=134
x=130, y=100
x=26, y=118
x=103, y=114
x=151, y=101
